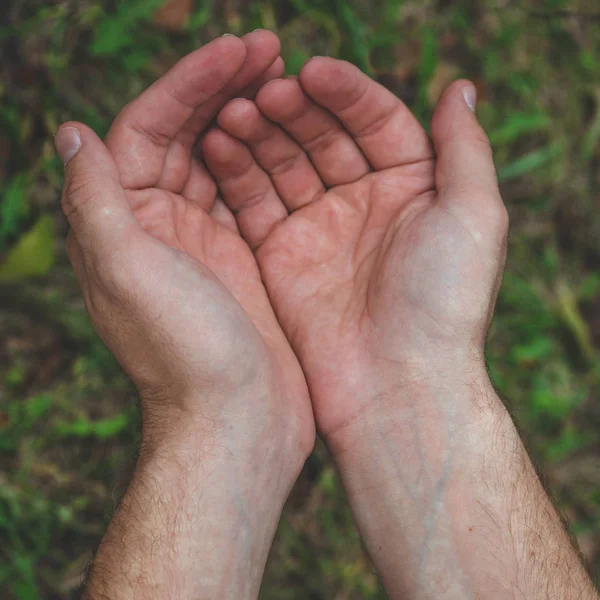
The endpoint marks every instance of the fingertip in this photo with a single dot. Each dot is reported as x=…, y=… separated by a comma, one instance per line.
x=461, y=90
x=469, y=93
x=276, y=70
x=72, y=136
x=314, y=65
x=67, y=142
x=276, y=98
x=229, y=44
x=457, y=105
x=326, y=73
x=83, y=130
x=267, y=88
x=262, y=40
x=236, y=114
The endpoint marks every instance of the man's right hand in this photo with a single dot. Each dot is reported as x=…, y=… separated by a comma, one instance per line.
x=176, y=294
x=169, y=283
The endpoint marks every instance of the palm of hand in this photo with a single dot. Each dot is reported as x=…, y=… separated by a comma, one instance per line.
x=188, y=272
x=366, y=273
x=381, y=269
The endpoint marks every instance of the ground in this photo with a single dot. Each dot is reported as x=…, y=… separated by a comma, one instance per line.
x=68, y=416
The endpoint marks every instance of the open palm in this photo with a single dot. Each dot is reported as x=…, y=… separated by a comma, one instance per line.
x=374, y=250
x=171, y=256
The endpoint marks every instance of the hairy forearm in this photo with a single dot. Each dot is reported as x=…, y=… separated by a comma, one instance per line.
x=196, y=522
x=448, y=501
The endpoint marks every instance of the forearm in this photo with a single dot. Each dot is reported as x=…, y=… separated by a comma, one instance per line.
x=196, y=522
x=449, y=503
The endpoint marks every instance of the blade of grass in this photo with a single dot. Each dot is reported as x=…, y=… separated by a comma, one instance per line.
x=530, y=162
x=517, y=125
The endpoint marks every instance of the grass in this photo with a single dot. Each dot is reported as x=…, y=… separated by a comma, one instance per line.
x=68, y=420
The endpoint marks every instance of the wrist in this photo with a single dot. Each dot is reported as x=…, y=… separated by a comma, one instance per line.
x=251, y=428
x=443, y=469
x=414, y=396
x=198, y=518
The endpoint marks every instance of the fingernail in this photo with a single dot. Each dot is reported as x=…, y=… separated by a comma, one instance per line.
x=258, y=29
x=228, y=35
x=68, y=143
x=470, y=95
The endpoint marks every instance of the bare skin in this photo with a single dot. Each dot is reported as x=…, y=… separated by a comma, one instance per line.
x=176, y=294
x=329, y=227
x=384, y=272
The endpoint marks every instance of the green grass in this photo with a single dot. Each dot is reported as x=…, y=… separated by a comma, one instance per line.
x=68, y=420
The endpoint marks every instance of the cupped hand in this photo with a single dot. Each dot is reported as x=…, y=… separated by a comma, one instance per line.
x=170, y=285
x=381, y=251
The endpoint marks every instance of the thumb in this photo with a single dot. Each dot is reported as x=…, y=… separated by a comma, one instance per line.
x=93, y=200
x=465, y=171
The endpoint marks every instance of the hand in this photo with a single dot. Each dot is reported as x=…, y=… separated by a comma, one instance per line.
x=177, y=296
x=381, y=258
x=382, y=255
x=170, y=285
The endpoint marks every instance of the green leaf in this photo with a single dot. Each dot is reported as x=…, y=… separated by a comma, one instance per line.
x=570, y=441
x=534, y=351
x=101, y=429
x=427, y=67
x=24, y=587
x=295, y=61
x=518, y=124
x=37, y=406
x=358, y=42
x=33, y=255
x=14, y=206
x=590, y=287
x=530, y=162
x=200, y=17
x=573, y=319
x=114, y=32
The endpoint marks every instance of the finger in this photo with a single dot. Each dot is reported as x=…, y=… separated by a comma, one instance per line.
x=292, y=173
x=333, y=152
x=245, y=187
x=220, y=213
x=383, y=127
x=93, y=200
x=275, y=71
x=142, y=133
x=262, y=50
x=200, y=187
x=465, y=172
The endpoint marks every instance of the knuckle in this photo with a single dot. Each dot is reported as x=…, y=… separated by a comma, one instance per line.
x=476, y=139
x=78, y=192
x=285, y=164
x=322, y=142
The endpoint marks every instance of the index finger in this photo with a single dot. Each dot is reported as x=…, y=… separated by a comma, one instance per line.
x=142, y=132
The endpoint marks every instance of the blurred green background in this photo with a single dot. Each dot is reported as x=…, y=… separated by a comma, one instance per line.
x=68, y=417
